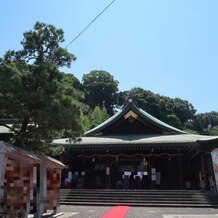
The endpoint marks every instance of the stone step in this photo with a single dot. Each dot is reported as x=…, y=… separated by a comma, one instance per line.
x=139, y=197
x=190, y=203
x=133, y=194
x=141, y=204
x=137, y=194
x=142, y=199
x=131, y=190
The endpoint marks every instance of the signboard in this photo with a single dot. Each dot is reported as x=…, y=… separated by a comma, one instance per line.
x=145, y=173
x=153, y=177
x=107, y=171
x=153, y=170
x=70, y=175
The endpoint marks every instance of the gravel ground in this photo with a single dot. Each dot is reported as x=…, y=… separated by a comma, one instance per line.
x=151, y=212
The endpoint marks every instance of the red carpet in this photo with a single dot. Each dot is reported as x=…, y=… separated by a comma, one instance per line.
x=116, y=212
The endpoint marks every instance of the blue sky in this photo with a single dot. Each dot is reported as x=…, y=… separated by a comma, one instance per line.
x=169, y=47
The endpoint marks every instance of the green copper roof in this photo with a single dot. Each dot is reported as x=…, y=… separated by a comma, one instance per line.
x=130, y=106
x=137, y=140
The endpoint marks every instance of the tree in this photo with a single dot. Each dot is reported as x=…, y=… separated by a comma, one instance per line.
x=74, y=82
x=41, y=46
x=91, y=118
x=183, y=109
x=97, y=116
x=33, y=90
x=100, y=90
x=205, y=122
x=214, y=130
x=85, y=122
x=173, y=120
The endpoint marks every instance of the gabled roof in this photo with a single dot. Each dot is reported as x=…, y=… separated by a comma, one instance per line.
x=132, y=112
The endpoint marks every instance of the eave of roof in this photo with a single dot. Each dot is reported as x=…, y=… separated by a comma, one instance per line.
x=52, y=162
x=16, y=152
x=6, y=130
x=140, y=140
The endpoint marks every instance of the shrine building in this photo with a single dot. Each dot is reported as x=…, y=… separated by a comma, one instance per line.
x=135, y=147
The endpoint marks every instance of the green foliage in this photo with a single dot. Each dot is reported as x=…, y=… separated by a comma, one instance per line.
x=183, y=110
x=173, y=120
x=92, y=118
x=74, y=82
x=100, y=90
x=40, y=46
x=214, y=130
x=191, y=131
x=203, y=119
x=85, y=122
x=33, y=90
x=203, y=122
x=97, y=116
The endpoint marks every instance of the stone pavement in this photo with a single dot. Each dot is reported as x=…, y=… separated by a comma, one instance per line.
x=190, y=216
x=137, y=212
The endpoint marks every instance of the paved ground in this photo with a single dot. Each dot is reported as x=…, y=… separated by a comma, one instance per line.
x=149, y=212
x=84, y=211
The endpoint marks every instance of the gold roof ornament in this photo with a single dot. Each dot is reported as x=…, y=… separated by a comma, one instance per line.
x=131, y=115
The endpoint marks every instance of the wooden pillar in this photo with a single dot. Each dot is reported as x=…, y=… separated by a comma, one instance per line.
x=202, y=173
x=202, y=165
x=180, y=169
x=110, y=171
x=109, y=177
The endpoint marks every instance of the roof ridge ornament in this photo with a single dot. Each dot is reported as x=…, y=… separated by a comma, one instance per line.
x=131, y=116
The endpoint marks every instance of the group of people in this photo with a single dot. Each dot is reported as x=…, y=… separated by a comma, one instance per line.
x=129, y=182
x=74, y=182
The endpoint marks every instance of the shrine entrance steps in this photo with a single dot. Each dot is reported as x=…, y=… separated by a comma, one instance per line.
x=149, y=198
